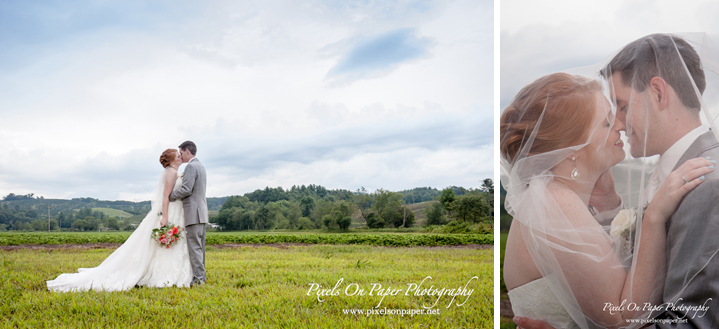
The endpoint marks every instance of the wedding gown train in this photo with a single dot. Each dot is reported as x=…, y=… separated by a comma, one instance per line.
x=535, y=300
x=140, y=260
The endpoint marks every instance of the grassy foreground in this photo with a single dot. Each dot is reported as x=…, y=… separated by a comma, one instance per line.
x=377, y=239
x=257, y=288
x=505, y=323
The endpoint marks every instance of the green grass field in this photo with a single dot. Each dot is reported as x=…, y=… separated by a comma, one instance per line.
x=502, y=247
x=368, y=238
x=505, y=323
x=257, y=287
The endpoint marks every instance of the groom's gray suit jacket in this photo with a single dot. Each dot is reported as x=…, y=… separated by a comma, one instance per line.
x=192, y=193
x=692, y=245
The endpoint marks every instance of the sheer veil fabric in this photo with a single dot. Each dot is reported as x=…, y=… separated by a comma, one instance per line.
x=140, y=260
x=560, y=136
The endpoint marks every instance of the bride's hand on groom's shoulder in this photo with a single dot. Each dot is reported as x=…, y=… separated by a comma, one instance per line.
x=682, y=180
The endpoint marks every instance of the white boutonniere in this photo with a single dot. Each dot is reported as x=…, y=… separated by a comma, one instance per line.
x=181, y=174
x=623, y=228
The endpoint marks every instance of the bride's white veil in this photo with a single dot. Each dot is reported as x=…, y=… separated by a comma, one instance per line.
x=142, y=240
x=559, y=136
x=547, y=132
x=158, y=194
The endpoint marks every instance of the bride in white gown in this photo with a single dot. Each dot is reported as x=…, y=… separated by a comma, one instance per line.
x=141, y=261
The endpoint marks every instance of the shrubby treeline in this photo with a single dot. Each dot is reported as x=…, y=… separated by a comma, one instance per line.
x=88, y=220
x=30, y=212
x=459, y=206
x=40, y=204
x=315, y=207
x=384, y=209
x=14, y=197
x=297, y=208
x=300, y=207
x=18, y=218
x=27, y=219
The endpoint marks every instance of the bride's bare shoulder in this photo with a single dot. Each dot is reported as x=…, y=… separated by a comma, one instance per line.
x=564, y=196
x=171, y=172
x=570, y=203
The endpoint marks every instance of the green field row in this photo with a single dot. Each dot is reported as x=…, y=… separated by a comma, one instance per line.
x=394, y=240
x=262, y=287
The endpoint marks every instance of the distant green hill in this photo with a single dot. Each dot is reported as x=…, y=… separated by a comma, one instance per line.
x=303, y=207
x=416, y=199
x=418, y=209
x=113, y=212
x=59, y=205
x=119, y=209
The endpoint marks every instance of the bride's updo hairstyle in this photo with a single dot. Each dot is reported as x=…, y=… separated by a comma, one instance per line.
x=167, y=157
x=568, y=104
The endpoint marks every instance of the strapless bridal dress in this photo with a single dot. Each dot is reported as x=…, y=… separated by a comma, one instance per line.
x=140, y=260
x=535, y=300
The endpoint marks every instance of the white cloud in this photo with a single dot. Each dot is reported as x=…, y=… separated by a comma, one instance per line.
x=87, y=109
x=409, y=167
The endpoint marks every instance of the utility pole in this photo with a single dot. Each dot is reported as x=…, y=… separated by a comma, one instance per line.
x=48, y=218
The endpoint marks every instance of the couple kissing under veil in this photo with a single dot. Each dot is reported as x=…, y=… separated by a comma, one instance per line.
x=602, y=238
x=179, y=200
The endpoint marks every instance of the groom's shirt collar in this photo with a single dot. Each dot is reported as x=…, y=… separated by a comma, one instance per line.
x=669, y=159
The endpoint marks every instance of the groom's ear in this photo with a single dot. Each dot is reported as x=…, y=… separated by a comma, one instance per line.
x=658, y=92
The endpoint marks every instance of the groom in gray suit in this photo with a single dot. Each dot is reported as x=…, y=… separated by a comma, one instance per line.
x=194, y=204
x=651, y=67
x=651, y=85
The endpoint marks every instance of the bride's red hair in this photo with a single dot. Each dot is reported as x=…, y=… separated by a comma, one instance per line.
x=167, y=157
x=570, y=106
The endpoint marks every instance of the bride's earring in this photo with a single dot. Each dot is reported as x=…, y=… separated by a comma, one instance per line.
x=575, y=172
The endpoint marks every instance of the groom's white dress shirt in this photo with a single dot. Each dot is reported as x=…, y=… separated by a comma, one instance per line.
x=664, y=167
x=668, y=161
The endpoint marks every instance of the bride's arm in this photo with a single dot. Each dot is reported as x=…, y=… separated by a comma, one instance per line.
x=169, y=184
x=651, y=249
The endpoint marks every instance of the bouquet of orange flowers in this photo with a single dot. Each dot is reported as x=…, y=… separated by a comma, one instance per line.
x=167, y=234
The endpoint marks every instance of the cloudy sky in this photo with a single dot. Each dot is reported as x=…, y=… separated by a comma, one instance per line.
x=345, y=94
x=542, y=37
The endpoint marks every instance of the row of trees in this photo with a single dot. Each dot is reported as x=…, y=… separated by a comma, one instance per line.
x=308, y=212
x=15, y=197
x=421, y=194
x=298, y=208
x=313, y=207
x=95, y=224
x=18, y=218
x=27, y=219
x=384, y=209
x=88, y=224
x=471, y=206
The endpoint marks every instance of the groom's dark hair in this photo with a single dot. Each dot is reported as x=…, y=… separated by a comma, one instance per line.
x=189, y=146
x=655, y=55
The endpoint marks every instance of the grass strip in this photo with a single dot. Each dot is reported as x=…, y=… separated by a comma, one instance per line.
x=384, y=239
